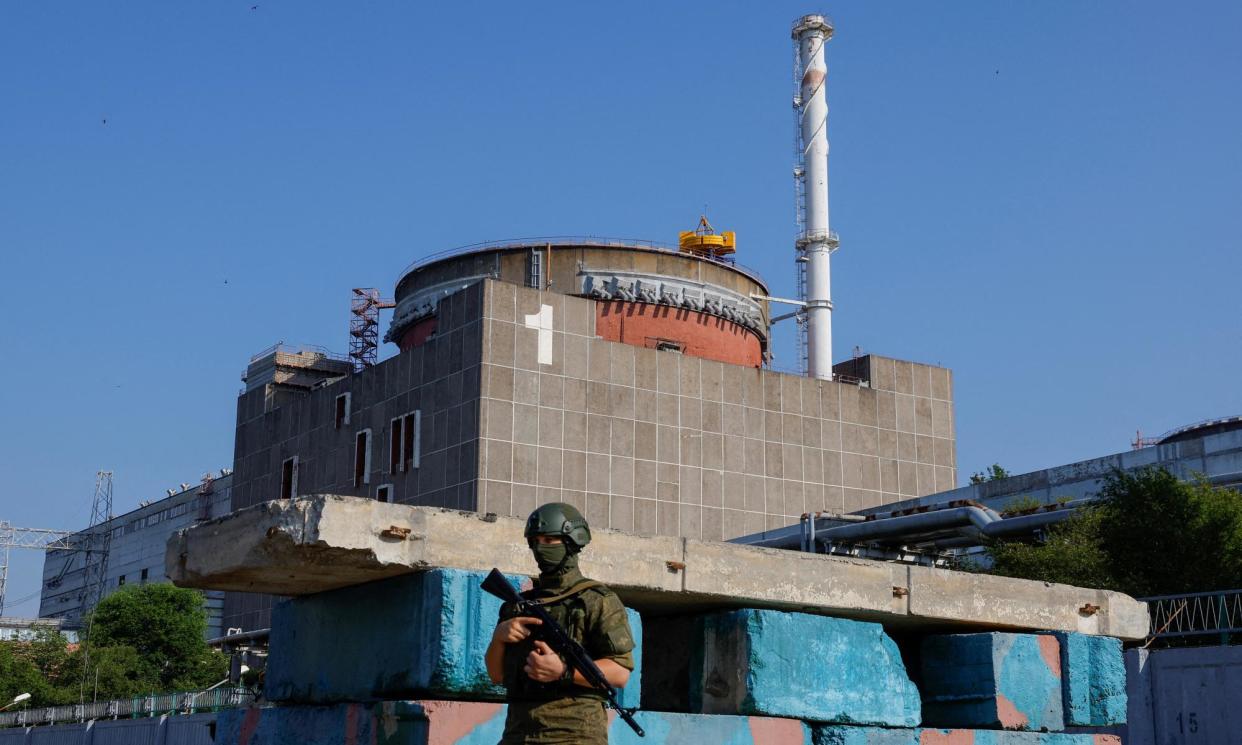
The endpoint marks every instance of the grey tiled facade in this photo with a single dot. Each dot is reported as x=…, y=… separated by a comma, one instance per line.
x=521, y=404
x=657, y=442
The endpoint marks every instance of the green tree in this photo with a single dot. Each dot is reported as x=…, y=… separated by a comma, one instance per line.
x=18, y=674
x=163, y=625
x=1149, y=533
x=991, y=473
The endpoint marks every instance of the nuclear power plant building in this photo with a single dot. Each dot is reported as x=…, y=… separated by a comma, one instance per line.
x=626, y=379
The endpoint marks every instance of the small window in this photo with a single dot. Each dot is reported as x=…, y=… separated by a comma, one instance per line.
x=120, y=580
x=362, y=458
x=383, y=493
x=342, y=410
x=411, y=439
x=534, y=269
x=664, y=345
x=395, y=436
x=289, y=478
x=144, y=576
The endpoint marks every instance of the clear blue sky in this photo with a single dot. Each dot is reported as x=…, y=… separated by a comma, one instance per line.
x=1044, y=197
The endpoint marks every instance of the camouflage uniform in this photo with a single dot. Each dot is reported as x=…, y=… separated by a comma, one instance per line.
x=562, y=712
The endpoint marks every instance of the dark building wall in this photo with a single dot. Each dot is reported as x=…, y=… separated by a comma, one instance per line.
x=439, y=379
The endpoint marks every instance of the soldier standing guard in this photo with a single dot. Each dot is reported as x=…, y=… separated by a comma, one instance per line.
x=549, y=702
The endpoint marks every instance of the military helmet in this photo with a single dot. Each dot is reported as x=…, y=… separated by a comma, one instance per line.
x=558, y=518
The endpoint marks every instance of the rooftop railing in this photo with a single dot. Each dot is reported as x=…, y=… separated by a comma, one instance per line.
x=567, y=240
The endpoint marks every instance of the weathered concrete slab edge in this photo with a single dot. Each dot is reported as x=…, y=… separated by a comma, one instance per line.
x=324, y=542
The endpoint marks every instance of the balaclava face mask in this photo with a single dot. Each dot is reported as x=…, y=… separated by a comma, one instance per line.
x=554, y=559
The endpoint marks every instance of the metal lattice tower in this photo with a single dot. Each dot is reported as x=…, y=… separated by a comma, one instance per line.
x=364, y=310
x=98, y=541
x=13, y=537
x=98, y=544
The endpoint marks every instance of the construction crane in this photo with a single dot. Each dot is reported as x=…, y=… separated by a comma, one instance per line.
x=364, y=310
x=40, y=539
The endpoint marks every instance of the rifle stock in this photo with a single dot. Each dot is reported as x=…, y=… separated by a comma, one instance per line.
x=561, y=642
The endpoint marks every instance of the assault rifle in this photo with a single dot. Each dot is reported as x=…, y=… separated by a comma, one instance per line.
x=550, y=632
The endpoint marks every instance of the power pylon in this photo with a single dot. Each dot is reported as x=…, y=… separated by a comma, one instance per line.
x=37, y=538
x=98, y=543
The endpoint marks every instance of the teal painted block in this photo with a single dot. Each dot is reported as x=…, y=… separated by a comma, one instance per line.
x=476, y=723
x=630, y=695
x=1093, y=680
x=419, y=634
x=678, y=729
x=1009, y=681
x=340, y=724
x=773, y=663
x=422, y=633
x=846, y=735
x=833, y=734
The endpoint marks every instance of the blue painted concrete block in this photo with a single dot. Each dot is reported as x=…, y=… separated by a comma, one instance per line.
x=630, y=695
x=398, y=637
x=1009, y=681
x=1093, y=680
x=845, y=735
x=476, y=723
x=803, y=666
x=414, y=635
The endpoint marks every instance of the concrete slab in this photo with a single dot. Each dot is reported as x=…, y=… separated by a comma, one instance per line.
x=844, y=735
x=1005, y=602
x=473, y=723
x=323, y=542
x=996, y=680
x=802, y=666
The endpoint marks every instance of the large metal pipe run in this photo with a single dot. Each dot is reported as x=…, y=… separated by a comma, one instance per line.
x=811, y=33
x=968, y=525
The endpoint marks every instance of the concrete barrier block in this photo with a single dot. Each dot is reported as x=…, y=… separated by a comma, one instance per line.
x=816, y=668
x=476, y=723
x=1009, y=681
x=845, y=735
x=418, y=633
x=414, y=635
x=337, y=724
x=1093, y=680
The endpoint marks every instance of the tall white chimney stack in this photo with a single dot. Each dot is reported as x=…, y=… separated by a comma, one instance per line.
x=815, y=241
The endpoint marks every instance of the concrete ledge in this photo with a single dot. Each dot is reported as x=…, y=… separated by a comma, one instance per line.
x=318, y=543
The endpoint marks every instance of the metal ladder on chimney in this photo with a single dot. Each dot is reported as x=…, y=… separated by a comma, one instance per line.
x=799, y=174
